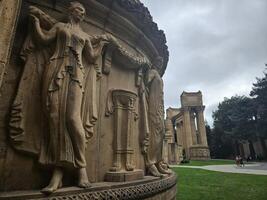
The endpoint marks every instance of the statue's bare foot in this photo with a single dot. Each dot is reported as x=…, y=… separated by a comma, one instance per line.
x=55, y=182
x=83, y=179
x=163, y=170
x=154, y=171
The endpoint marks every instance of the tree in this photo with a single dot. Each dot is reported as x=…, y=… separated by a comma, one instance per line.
x=240, y=118
x=259, y=95
x=233, y=122
x=235, y=116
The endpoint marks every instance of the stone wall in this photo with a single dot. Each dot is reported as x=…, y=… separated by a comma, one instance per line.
x=119, y=70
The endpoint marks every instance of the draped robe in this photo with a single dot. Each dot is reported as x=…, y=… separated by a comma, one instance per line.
x=44, y=82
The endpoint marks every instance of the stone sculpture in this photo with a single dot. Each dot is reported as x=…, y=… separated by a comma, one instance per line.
x=68, y=75
x=82, y=101
x=153, y=105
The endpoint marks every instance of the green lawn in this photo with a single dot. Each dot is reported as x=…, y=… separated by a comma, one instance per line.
x=198, y=184
x=209, y=162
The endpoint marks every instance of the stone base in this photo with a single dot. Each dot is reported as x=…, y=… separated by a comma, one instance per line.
x=124, y=176
x=150, y=188
x=199, y=153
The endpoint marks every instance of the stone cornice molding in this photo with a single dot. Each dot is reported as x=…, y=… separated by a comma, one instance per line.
x=121, y=55
x=141, y=17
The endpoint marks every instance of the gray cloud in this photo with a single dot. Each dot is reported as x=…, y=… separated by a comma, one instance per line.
x=218, y=47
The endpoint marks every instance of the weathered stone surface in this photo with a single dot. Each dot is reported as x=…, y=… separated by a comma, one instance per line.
x=81, y=98
x=150, y=188
x=124, y=176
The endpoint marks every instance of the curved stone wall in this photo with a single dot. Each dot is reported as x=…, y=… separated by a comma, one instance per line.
x=116, y=151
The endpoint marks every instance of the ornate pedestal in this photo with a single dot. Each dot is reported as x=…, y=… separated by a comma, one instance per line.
x=199, y=153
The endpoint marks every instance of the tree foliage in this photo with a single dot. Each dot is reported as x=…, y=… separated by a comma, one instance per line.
x=239, y=118
x=236, y=117
x=259, y=95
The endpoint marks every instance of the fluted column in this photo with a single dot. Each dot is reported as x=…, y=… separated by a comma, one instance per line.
x=193, y=128
x=179, y=133
x=201, y=125
x=188, y=130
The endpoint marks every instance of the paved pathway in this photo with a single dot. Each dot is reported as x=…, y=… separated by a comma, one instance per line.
x=257, y=168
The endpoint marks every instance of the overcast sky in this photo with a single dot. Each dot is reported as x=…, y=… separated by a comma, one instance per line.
x=216, y=46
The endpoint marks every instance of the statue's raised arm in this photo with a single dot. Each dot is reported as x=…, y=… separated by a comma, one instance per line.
x=44, y=37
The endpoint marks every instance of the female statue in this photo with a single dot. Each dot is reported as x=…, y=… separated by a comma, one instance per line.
x=67, y=62
x=153, y=107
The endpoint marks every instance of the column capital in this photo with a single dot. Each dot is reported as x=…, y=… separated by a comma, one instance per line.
x=200, y=108
x=186, y=109
x=124, y=99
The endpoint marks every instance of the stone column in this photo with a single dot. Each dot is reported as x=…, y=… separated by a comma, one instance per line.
x=193, y=128
x=178, y=133
x=168, y=139
x=165, y=150
x=188, y=131
x=9, y=12
x=201, y=125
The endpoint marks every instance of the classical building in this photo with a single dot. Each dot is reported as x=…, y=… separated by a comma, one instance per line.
x=185, y=135
x=81, y=101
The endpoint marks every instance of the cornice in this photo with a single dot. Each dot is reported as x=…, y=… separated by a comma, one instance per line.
x=140, y=16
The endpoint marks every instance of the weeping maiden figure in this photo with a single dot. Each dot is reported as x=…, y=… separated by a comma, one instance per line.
x=153, y=106
x=64, y=58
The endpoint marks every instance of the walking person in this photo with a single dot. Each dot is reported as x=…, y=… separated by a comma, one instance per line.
x=237, y=161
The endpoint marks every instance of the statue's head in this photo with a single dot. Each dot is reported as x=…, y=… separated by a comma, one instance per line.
x=77, y=11
x=158, y=63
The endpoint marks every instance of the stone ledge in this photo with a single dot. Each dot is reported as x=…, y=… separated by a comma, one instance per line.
x=142, y=189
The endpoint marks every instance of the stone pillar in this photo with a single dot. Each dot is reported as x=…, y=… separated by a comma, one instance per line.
x=9, y=12
x=188, y=131
x=201, y=126
x=193, y=128
x=179, y=133
x=165, y=150
x=123, y=164
x=168, y=140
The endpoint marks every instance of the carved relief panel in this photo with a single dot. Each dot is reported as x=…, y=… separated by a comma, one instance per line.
x=122, y=106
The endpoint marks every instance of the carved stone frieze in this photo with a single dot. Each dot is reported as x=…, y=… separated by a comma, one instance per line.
x=127, y=59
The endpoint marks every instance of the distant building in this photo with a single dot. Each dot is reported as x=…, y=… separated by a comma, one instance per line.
x=185, y=135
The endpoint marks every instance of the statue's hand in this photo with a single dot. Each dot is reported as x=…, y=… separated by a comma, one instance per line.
x=112, y=40
x=34, y=19
x=33, y=10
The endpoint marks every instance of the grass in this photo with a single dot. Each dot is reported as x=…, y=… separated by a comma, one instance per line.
x=209, y=162
x=198, y=184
